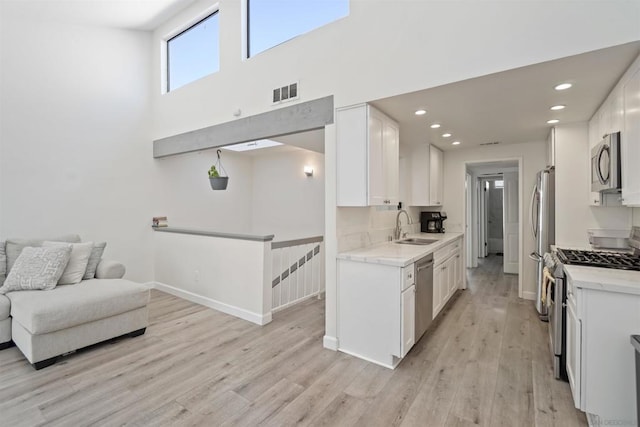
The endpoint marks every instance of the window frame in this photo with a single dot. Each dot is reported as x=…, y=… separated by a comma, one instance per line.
x=246, y=30
x=183, y=28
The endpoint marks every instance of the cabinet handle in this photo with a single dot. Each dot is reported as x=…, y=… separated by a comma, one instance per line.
x=595, y=201
x=410, y=276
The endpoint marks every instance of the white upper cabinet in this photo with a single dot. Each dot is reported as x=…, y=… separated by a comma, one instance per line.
x=427, y=172
x=436, y=176
x=630, y=142
x=367, y=147
x=620, y=112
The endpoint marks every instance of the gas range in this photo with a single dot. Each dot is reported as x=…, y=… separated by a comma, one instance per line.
x=617, y=260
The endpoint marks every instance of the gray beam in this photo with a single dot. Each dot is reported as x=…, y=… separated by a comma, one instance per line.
x=296, y=118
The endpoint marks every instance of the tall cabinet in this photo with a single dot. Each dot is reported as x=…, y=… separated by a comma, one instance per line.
x=630, y=141
x=427, y=176
x=367, y=147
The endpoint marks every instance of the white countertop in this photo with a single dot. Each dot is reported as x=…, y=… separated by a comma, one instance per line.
x=399, y=255
x=604, y=279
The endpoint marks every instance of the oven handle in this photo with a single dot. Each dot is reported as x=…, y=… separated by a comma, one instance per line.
x=602, y=179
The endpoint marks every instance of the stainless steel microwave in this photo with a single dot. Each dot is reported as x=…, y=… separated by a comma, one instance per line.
x=606, y=175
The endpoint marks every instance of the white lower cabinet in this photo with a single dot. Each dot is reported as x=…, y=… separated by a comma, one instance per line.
x=447, y=274
x=408, y=324
x=600, y=358
x=573, y=346
x=376, y=311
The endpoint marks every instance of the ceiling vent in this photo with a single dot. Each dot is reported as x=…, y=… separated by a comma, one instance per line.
x=491, y=143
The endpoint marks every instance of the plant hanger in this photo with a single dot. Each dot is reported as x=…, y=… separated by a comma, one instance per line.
x=218, y=177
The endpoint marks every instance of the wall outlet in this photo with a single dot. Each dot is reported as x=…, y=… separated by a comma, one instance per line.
x=285, y=93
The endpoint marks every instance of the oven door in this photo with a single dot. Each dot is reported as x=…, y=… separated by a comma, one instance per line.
x=557, y=327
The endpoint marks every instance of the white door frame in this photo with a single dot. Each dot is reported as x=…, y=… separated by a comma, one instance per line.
x=474, y=235
x=468, y=212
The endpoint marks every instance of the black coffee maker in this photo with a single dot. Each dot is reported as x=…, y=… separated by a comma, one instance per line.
x=432, y=222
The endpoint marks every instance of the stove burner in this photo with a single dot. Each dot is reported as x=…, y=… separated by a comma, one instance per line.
x=623, y=261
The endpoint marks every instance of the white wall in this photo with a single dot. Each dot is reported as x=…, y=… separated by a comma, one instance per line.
x=383, y=48
x=285, y=201
x=230, y=275
x=534, y=159
x=573, y=213
x=75, y=135
x=187, y=199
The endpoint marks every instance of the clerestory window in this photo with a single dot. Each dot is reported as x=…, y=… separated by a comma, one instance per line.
x=272, y=22
x=193, y=53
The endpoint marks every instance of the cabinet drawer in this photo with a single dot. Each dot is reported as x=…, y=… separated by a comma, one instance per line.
x=443, y=253
x=408, y=276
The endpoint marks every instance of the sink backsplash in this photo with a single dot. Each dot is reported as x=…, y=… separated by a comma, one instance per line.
x=360, y=227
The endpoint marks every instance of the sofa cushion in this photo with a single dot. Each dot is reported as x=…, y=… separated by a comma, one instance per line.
x=5, y=307
x=37, y=269
x=15, y=246
x=67, y=306
x=94, y=260
x=77, y=264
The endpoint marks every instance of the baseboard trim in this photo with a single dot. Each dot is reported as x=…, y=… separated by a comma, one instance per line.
x=250, y=316
x=330, y=342
x=529, y=295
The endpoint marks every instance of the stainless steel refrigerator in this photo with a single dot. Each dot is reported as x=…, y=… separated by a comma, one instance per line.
x=542, y=221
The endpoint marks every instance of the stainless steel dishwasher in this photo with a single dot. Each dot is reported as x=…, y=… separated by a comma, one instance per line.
x=424, y=294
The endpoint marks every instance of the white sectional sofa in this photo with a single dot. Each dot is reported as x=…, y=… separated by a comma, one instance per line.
x=45, y=324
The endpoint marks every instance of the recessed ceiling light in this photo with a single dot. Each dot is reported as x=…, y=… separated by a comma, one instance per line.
x=446, y=135
x=455, y=143
x=553, y=121
x=558, y=107
x=563, y=86
x=435, y=126
x=421, y=112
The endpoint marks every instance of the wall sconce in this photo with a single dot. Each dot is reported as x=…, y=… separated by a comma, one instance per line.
x=308, y=170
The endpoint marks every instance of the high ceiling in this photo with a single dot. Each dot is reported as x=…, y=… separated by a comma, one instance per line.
x=511, y=106
x=129, y=14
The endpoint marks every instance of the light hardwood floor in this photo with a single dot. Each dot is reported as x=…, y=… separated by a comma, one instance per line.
x=485, y=361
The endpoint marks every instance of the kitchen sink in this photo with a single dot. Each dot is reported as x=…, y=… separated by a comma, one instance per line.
x=416, y=241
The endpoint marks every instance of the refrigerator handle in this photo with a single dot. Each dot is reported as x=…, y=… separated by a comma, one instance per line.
x=533, y=224
x=534, y=256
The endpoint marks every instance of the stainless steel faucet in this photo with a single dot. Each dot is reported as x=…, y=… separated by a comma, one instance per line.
x=398, y=229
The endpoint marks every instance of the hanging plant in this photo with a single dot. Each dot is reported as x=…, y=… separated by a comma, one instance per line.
x=217, y=180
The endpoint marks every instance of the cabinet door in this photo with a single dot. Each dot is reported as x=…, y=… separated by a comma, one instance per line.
x=419, y=176
x=408, y=322
x=391, y=160
x=444, y=283
x=377, y=178
x=457, y=284
x=574, y=339
x=436, y=173
x=630, y=142
x=437, y=295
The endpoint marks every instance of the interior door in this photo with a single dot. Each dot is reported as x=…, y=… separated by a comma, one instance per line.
x=468, y=218
x=511, y=223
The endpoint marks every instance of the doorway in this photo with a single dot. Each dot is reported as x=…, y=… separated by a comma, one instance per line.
x=493, y=215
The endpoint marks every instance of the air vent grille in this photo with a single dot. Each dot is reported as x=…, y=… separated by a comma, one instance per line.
x=285, y=93
x=491, y=143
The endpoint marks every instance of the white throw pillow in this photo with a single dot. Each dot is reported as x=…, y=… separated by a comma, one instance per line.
x=37, y=269
x=94, y=260
x=78, y=261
